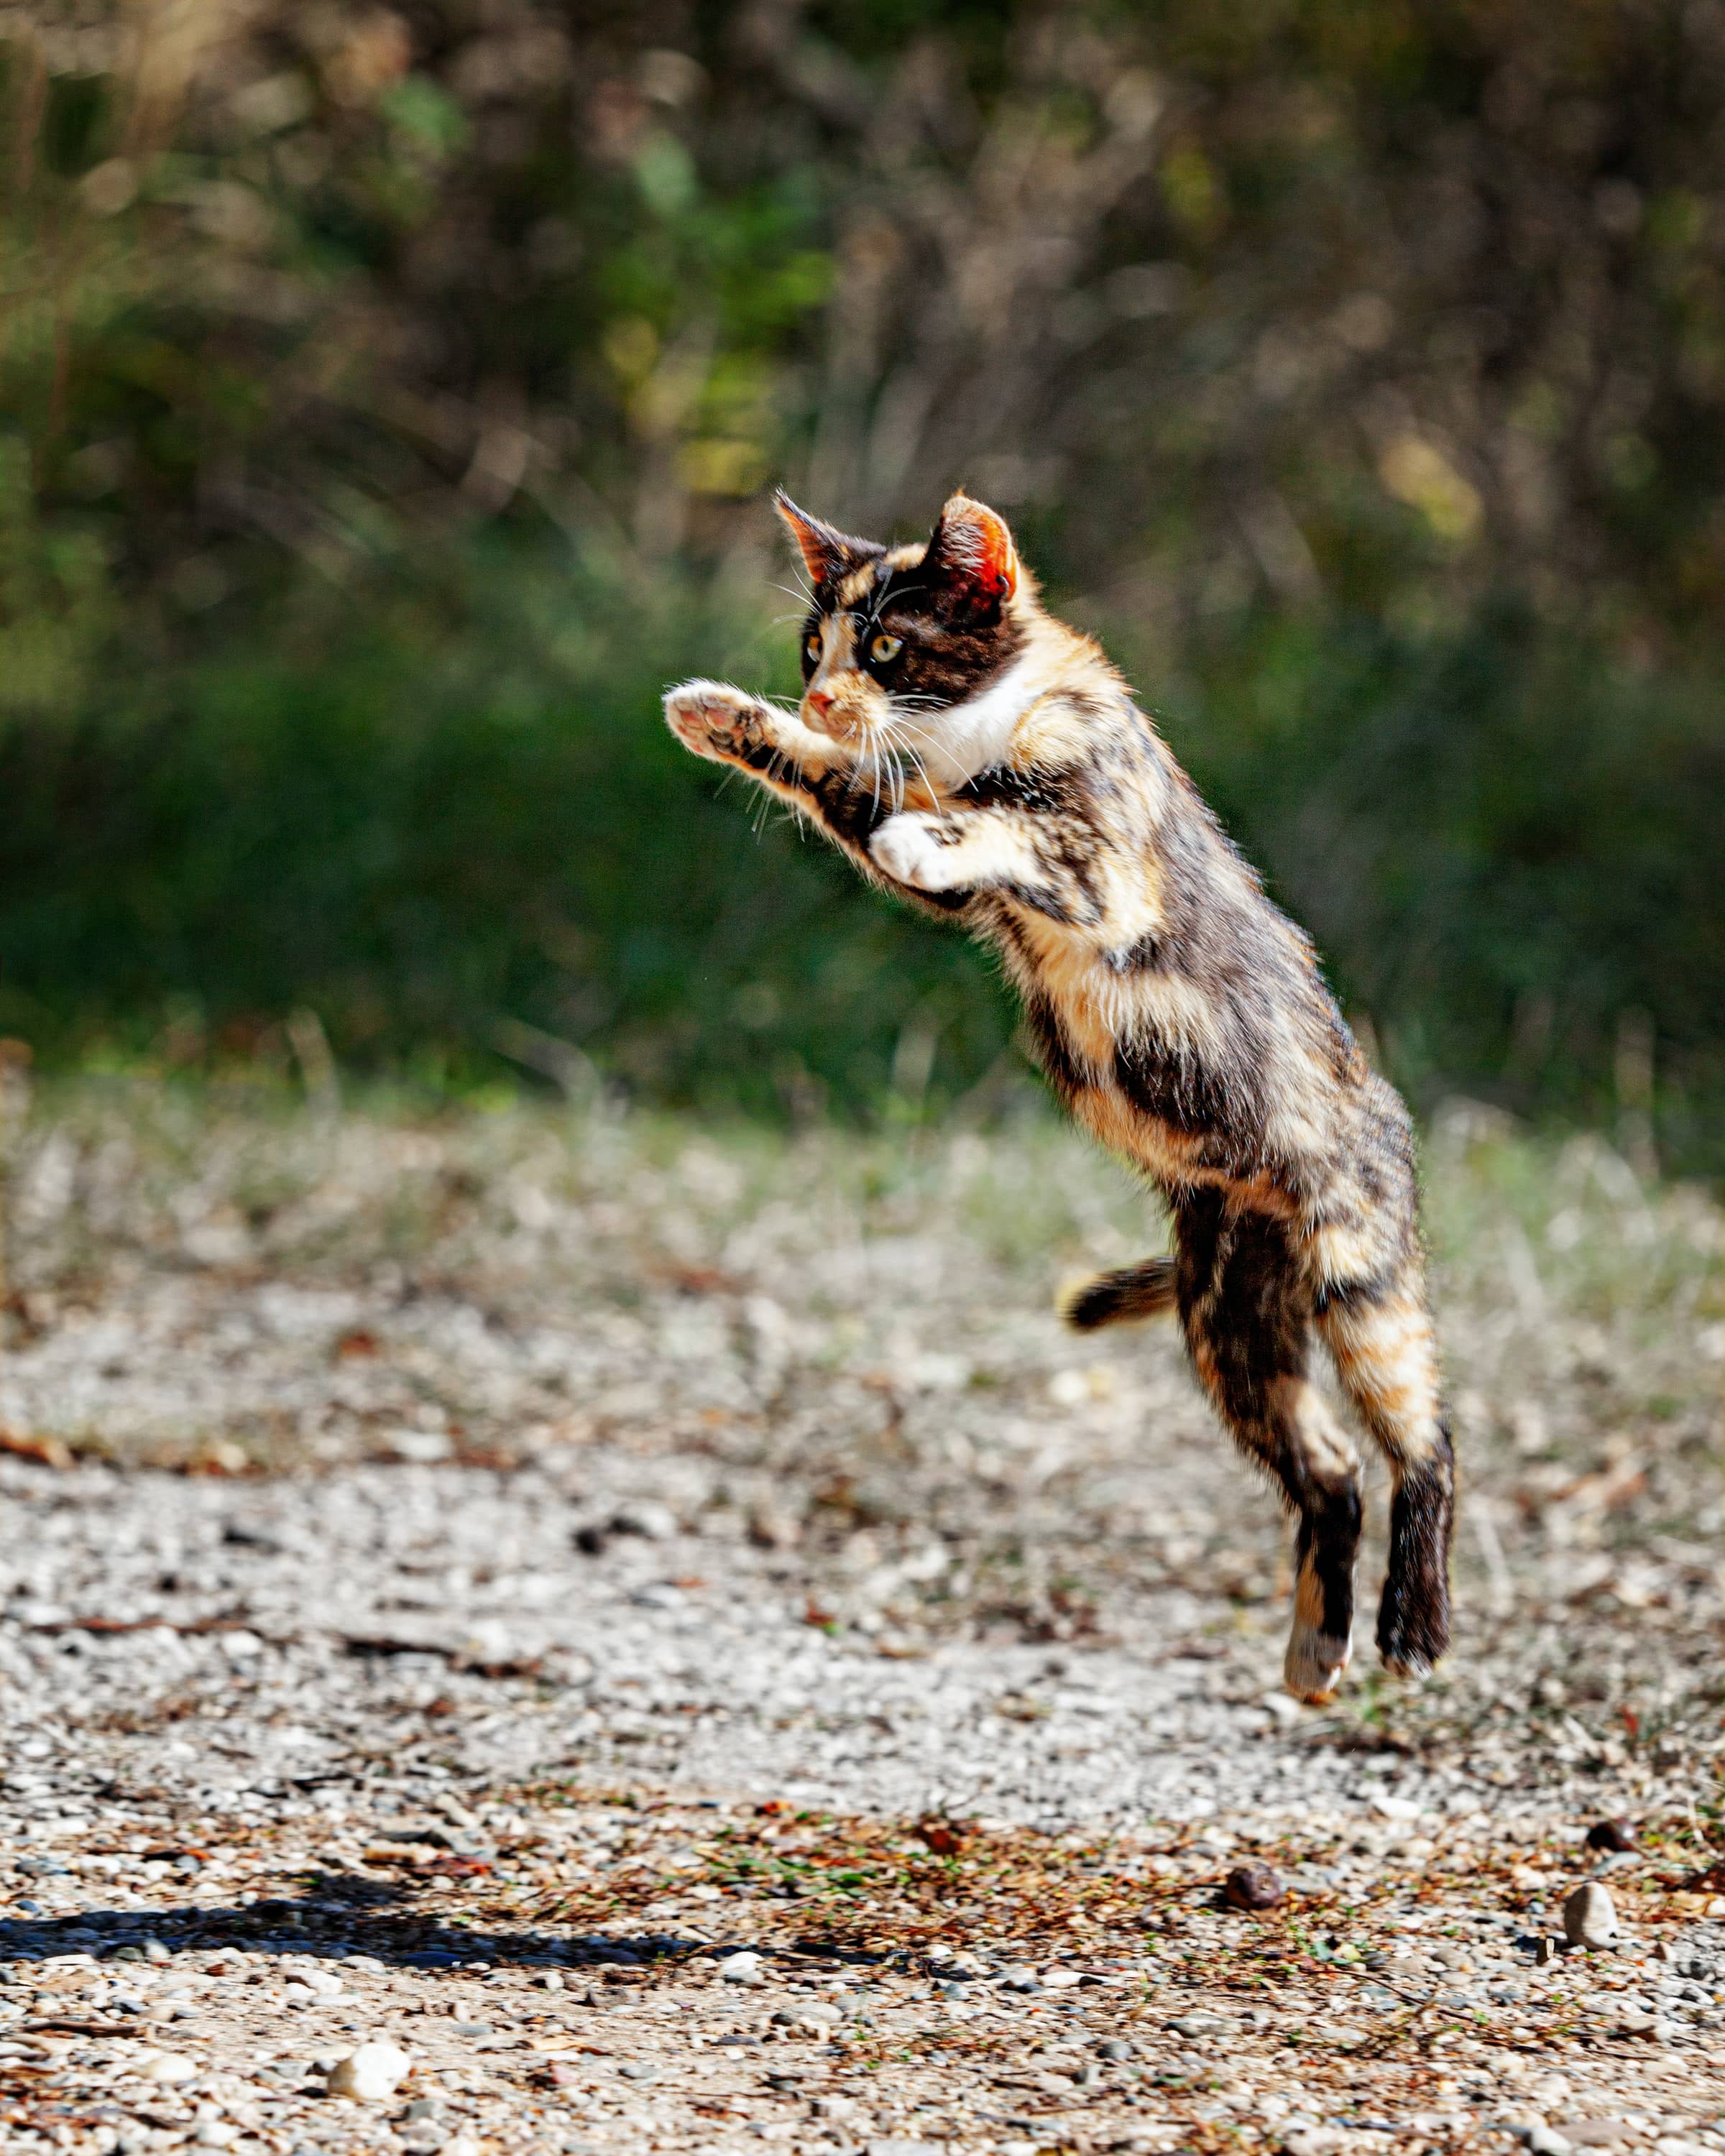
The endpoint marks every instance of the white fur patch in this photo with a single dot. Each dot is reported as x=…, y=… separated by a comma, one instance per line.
x=954, y=745
x=908, y=851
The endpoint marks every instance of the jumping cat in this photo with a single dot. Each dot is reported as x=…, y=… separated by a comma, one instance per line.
x=970, y=752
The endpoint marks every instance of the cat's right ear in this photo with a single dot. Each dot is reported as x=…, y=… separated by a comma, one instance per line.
x=827, y=553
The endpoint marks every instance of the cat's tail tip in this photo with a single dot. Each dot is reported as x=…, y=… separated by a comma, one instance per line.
x=1125, y=1296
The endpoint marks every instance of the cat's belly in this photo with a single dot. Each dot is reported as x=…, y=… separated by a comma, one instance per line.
x=1122, y=1052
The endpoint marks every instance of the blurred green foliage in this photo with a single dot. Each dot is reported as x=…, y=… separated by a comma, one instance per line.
x=388, y=398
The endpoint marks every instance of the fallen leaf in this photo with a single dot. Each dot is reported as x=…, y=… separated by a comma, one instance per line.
x=46, y=1451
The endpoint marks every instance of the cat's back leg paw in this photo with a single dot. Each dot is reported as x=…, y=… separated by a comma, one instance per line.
x=1313, y=1665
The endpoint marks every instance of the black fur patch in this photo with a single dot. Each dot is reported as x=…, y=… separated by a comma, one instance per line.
x=1329, y=1541
x=1413, y=1617
x=1187, y=1093
x=1043, y=793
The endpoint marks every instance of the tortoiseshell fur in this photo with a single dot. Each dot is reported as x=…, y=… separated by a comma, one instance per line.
x=972, y=754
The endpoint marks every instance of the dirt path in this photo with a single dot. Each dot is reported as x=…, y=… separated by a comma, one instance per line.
x=464, y=1581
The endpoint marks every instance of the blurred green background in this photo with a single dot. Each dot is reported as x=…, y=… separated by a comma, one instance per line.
x=389, y=397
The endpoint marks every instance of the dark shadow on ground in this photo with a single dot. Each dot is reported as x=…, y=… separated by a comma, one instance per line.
x=337, y=1919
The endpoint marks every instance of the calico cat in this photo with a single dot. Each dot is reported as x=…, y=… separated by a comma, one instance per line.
x=972, y=754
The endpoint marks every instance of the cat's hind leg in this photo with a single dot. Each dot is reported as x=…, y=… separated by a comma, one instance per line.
x=1246, y=1310
x=1380, y=1333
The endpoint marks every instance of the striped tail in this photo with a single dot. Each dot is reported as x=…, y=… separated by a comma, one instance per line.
x=1122, y=1297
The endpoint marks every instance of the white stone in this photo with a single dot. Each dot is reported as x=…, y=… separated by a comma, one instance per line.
x=1589, y=1918
x=170, y=2066
x=370, y=2074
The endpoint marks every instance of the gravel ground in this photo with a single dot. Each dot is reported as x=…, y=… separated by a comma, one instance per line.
x=468, y=1579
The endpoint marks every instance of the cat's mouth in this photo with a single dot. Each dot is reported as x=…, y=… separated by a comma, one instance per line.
x=841, y=718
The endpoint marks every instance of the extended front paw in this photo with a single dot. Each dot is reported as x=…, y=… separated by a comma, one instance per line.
x=910, y=850
x=715, y=719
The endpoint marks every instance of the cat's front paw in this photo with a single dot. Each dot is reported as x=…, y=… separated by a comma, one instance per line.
x=713, y=719
x=909, y=849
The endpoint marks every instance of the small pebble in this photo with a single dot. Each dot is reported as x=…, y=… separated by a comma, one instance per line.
x=1589, y=1917
x=639, y=2070
x=370, y=2074
x=742, y=1968
x=170, y=2066
x=1612, y=1834
x=1115, y=2047
x=1253, y=1886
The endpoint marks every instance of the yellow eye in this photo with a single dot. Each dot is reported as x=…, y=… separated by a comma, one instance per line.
x=885, y=648
x=813, y=648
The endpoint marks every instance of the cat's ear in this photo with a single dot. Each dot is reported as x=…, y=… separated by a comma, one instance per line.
x=972, y=552
x=827, y=553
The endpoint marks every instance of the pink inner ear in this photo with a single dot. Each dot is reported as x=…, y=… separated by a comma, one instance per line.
x=978, y=547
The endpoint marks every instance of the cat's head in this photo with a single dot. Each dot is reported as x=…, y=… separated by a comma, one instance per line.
x=896, y=636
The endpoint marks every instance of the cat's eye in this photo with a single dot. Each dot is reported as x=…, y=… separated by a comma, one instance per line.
x=812, y=648
x=885, y=648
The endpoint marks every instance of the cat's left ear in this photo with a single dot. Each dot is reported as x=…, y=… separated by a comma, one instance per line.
x=827, y=552
x=972, y=553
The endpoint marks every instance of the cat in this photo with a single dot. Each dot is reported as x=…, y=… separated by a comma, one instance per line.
x=976, y=757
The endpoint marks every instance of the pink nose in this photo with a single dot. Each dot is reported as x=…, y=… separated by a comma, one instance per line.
x=819, y=701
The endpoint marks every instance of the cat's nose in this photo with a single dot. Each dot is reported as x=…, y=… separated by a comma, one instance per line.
x=820, y=701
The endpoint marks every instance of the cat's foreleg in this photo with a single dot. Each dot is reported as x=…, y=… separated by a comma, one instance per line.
x=729, y=725
x=1037, y=861
x=820, y=778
